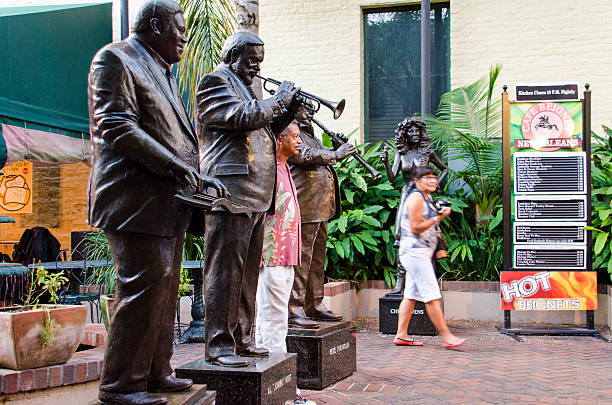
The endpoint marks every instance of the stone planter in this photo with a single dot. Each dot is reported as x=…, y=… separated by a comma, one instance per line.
x=108, y=308
x=21, y=342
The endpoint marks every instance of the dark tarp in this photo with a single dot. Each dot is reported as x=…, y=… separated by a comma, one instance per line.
x=46, y=52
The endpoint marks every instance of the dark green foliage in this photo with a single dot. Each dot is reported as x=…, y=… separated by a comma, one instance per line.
x=601, y=200
x=467, y=129
x=475, y=248
x=360, y=242
x=97, y=247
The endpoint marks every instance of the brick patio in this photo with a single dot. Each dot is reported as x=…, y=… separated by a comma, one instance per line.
x=491, y=368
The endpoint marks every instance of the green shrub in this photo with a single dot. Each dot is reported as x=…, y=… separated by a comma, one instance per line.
x=475, y=248
x=601, y=200
x=360, y=242
x=467, y=128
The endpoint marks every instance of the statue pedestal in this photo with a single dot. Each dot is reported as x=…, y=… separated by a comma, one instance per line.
x=196, y=395
x=325, y=355
x=388, y=309
x=269, y=380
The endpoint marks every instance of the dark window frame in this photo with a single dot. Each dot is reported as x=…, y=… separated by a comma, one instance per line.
x=444, y=87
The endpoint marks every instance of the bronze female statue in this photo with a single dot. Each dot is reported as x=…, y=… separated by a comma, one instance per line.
x=413, y=150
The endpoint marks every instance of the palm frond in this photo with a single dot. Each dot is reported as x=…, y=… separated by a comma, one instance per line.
x=468, y=123
x=208, y=24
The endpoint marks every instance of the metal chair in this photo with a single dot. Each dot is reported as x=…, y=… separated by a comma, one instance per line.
x=78, y=291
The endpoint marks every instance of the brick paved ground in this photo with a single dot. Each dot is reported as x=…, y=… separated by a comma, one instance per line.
x=489, y=368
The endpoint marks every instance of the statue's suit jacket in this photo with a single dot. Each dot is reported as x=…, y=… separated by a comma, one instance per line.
x=315, y=179
x=138, y=125
x=237, y=144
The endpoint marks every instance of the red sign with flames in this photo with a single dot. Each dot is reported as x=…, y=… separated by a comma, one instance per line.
x=548, y=290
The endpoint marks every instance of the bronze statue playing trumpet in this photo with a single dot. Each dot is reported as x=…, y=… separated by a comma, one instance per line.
x=312, y=104
x=309, y=101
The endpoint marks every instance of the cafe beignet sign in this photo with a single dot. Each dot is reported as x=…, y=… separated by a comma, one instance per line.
x=548, y=202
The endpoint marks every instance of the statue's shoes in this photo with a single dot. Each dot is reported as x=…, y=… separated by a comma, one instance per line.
x=134, y=398
x=326, y=315
x=168, y=384
x=253, y=351
x=230, y=361
x=303, y=323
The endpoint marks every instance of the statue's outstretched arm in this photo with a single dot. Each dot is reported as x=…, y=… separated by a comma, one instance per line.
x=433, y=158
x=392, y=172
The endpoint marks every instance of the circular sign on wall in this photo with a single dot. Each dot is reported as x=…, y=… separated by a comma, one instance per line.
x=545, y=121
x=14, y=192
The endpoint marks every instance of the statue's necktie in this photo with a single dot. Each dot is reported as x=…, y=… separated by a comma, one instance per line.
x=174, y=89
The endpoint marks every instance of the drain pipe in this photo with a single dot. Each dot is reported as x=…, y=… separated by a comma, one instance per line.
x=425, y=57
x=125, y=31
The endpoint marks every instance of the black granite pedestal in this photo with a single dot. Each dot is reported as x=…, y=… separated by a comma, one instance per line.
x=326, y=354
x=388, y=309
x=196, y=395
x=267, y=381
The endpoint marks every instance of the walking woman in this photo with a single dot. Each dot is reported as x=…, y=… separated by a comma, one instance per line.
x=418, y=240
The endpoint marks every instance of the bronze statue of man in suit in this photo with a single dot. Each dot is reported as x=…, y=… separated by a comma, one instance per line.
x=145, y=150
x=319, y=197
x=238, y=146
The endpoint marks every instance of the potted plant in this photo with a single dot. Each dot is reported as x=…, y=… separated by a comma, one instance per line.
x=34, y=335
x=96, y=247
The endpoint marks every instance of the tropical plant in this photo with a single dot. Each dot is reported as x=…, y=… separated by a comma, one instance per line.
x=193, y=249
x=467, y=129
x=96, y=247
x=601, y=200
x=475, y=249
x=184, y=282
x=208, y=23
x=360, y=241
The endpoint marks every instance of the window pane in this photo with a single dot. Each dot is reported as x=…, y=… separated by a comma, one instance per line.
x=392, y=39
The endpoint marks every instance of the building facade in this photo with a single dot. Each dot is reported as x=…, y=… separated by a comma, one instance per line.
x=323, y=46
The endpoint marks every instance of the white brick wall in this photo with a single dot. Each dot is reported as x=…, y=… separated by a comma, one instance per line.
x=536, y=42
x=318, y=44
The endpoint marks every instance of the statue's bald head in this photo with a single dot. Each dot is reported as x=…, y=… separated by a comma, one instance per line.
x=237, y=44
x=162, y=10
x=243, y=52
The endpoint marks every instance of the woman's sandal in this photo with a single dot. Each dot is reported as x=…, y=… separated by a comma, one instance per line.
x=406, y=342
x=458, y=342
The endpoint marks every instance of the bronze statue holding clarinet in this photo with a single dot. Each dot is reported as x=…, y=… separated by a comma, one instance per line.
x=318, y=192
x=319, y=197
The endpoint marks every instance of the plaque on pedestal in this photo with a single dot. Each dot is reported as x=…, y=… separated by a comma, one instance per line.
x=270, y=380
x=388, y=309
x=326, y=354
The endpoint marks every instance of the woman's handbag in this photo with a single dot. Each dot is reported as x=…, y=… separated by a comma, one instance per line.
x=441, y=247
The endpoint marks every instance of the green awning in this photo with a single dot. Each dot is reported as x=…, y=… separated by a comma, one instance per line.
x=46, y=52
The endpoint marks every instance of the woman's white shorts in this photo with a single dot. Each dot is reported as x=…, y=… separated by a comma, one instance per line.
x=421, y=283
